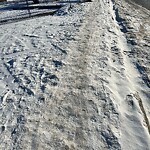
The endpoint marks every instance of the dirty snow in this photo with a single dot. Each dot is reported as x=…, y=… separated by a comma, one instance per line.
x=73, y=80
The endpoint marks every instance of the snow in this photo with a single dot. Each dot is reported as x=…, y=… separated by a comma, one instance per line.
x=144, y=3
x=70, y=81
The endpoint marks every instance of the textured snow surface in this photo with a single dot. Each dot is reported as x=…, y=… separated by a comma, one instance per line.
x=144, y=3
x=77, y=80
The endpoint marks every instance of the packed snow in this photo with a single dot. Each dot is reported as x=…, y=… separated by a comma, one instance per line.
x=77, y=79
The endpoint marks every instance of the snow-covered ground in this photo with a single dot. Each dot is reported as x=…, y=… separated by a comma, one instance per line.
x=77, y=80
x=144, y=3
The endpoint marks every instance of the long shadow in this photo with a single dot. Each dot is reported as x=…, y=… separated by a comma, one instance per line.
x=143, y=73
x=49, y=8
x=39, y=11
x=23, y=6
x=11, y=5
x=27, y=17
x=38, y=7
x=120, y=21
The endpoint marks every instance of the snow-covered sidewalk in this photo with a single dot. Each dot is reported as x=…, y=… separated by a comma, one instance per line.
x=66, y=83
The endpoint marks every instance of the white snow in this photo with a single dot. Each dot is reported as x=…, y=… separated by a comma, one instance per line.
x=66, y=82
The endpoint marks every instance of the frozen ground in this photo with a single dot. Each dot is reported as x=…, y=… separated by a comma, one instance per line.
x=77, y=80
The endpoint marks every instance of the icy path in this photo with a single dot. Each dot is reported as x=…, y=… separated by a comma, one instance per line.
x=66, y=83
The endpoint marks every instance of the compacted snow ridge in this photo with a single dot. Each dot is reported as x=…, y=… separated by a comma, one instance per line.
x=77, y=79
